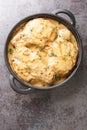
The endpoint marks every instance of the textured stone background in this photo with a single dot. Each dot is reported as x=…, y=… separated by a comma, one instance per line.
x=63, y=108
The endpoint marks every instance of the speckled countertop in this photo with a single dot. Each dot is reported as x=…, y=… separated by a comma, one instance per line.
x=63, y=108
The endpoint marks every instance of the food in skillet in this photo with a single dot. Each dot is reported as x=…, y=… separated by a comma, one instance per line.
x=42, y=52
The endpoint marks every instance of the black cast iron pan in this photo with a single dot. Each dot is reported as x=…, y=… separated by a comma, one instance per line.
x=55, y=16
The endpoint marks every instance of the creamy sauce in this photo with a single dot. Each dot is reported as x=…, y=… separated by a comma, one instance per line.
x=42, y=52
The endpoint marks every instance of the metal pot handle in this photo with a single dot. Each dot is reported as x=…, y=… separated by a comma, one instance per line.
x=67, y=12
x=16, y=88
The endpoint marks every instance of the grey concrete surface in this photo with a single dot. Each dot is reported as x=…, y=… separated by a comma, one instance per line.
x=63, y=108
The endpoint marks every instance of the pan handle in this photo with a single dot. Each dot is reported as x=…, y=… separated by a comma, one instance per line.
x=18, y=89
x=67, y=12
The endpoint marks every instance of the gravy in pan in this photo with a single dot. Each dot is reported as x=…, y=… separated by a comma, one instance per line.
x=43, y=52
